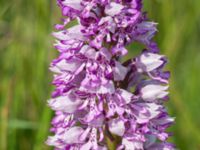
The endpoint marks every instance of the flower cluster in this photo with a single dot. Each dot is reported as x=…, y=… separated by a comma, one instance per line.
x=99, y=98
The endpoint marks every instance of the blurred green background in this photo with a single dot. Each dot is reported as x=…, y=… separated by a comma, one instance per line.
x=26, y=51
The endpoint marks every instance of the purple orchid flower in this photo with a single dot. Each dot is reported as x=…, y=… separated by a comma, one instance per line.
x=97, y=95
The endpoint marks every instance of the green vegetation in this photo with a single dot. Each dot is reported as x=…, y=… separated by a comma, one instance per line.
x=26, y=51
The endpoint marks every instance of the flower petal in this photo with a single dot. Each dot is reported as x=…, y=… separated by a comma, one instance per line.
x=125, y=95
x=75, y=4
x=72, y=33
x=119, y=71
x=132, y=145
x=64, y=65
x=149, y=62
x=113, y=9
x=73, y=135
x=146, y=111
x=65, y=103
x=152, y=91
x=117, y=127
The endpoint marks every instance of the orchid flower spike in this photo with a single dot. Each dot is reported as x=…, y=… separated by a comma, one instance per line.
x=98, y=97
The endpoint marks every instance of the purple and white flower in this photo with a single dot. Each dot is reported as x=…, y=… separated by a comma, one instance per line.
x=98, y=97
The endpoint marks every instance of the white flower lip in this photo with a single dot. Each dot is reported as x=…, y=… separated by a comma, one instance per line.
x=117, y=127
x=132, y=145
x=73, y=134
x=113, y=9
